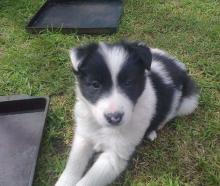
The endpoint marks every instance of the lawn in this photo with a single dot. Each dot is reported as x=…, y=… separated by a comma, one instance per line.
x=187, y=151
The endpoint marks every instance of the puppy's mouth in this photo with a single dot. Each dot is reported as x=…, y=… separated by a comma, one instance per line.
x=115, y=125
x=115, y=118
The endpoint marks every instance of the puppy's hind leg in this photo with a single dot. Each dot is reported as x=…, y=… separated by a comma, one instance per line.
x=190, y=98
x=152, y=135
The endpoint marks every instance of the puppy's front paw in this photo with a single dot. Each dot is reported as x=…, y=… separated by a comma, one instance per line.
x=66, y=180
x=80, y=183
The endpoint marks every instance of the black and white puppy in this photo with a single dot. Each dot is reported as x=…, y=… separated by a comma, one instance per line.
x=125, y=91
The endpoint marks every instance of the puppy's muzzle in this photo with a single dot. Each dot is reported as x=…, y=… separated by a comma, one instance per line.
x=114, y=118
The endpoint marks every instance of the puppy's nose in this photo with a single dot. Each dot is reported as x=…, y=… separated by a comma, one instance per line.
x=114, y=118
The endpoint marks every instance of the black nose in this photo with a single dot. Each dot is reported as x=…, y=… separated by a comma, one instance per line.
x=114, y=118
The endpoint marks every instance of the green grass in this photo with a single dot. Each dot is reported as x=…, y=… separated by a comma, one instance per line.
x=187, y=152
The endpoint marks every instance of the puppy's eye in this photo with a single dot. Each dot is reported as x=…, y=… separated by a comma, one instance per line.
x=128, y=82
x=96, y=84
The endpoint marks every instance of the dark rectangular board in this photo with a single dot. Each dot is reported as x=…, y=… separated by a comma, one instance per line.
x=81, y=16
x=22, y=121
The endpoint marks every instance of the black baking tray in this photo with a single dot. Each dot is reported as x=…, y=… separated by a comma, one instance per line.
x=22, y=121
x=81, y=16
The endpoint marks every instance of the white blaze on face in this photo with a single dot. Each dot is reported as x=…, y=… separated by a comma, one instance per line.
x=115, y=100
x=114, y=58
x=112, y=103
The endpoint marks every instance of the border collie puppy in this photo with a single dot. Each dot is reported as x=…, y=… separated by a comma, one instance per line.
x=125, y=92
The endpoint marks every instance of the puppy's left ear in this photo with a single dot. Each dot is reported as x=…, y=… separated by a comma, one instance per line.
x=144, y=52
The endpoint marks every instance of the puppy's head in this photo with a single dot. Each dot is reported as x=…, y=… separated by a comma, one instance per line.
x=111, y=78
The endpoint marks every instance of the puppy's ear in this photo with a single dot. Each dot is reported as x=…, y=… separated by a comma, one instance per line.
x=75, y=59
x=143, y=51
x=79, y=55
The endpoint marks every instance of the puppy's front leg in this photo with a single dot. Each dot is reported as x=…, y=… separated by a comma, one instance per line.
x=104, y=171
x=78, y=159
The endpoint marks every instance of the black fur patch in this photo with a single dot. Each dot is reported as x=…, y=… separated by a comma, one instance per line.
x=164, y=94
x=181, y=79
x=93, y=75
x=175, y=72
x=140, y=50
x=189, y=87
x=131, y=78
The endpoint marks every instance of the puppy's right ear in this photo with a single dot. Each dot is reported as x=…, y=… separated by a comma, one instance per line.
x=79, y=55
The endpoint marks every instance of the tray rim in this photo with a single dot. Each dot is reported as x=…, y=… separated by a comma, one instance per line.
x=45, y=112
x=86, y=30
x=20, y=99
x=33, y=170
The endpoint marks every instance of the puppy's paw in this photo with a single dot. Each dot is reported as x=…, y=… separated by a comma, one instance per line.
x=82, y=183
x=79, y=184
x=152, y=136
x=66, y=180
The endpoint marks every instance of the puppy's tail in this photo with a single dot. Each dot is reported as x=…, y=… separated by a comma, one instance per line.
x=190, y=97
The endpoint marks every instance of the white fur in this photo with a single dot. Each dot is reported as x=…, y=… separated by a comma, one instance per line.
x=158, y=51
x=114, y=102
x=114, y=57
x=152, y=136
x=161, y=52
x=79, y=156
x=159, y=69
x=188, y=105
x=75, y=61
x=116, y=144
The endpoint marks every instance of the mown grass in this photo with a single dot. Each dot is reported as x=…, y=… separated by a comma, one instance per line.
x=187, y=151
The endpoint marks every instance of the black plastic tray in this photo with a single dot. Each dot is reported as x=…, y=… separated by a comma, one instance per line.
x=81, y=16
x=22, y=121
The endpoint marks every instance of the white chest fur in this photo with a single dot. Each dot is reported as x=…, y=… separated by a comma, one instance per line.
x=120, y=139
